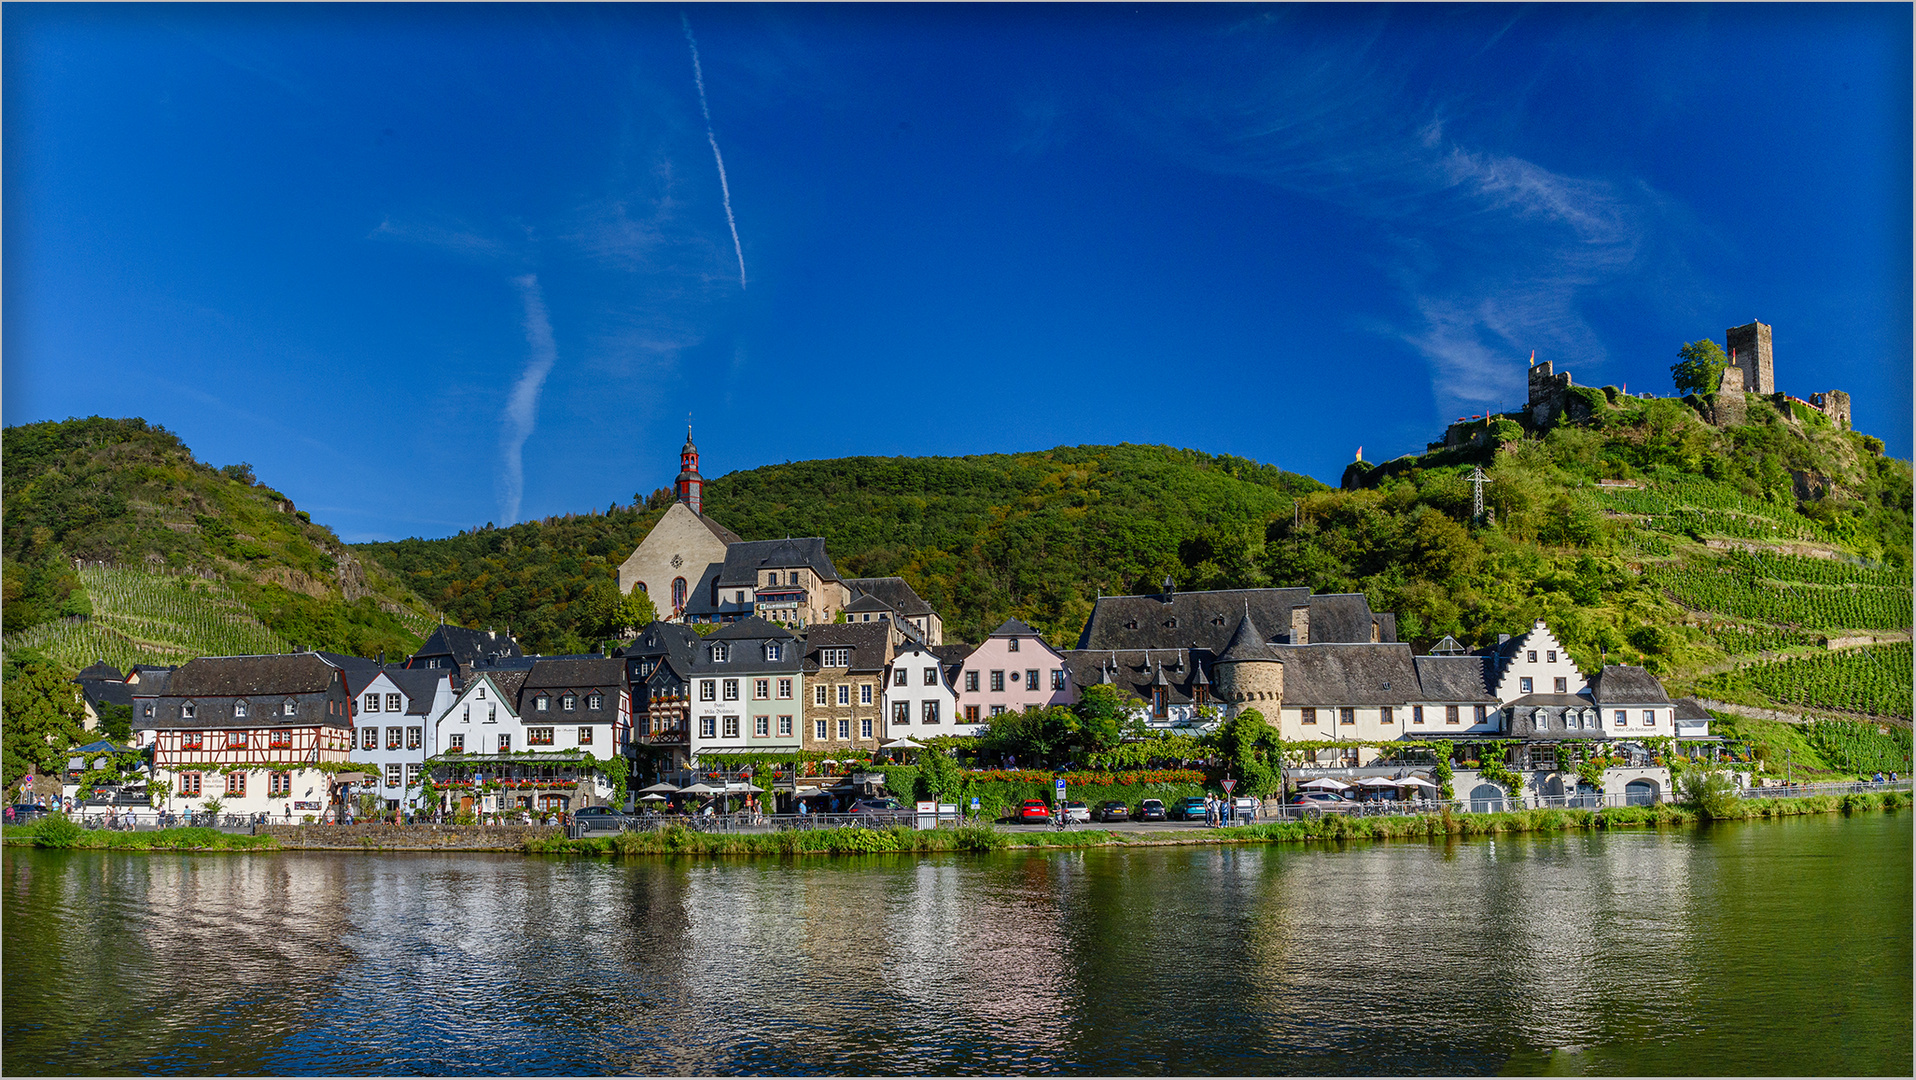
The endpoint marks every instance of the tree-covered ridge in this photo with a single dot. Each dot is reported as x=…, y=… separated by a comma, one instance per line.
x=129, y=494
x=1034, y=535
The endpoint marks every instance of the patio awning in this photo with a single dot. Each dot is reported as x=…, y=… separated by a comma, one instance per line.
x=1324, y=783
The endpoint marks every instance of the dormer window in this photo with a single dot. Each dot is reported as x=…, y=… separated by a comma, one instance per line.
x=569, y=702
x=292, y=707
x=721, y=653
x=541, y=703
x=1171, y=623
x=188, y=710
x=774, y=651
x=239, y=710
x=1131, y=624
x=594, y=701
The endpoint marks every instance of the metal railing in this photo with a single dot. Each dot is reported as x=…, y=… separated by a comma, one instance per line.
x=1797, y=791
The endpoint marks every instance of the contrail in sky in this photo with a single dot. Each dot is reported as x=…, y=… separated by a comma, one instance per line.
x=698, y=76
x=522, y=409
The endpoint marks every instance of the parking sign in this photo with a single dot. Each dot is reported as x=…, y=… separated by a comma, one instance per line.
x=1060, y=789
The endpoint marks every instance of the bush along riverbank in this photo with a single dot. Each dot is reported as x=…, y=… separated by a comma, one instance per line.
x=679, y=840
x=58, y=831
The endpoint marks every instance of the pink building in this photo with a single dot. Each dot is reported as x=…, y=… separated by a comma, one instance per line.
x=1013, y=669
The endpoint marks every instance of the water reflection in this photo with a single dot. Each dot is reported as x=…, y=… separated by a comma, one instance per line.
x=1625, y=952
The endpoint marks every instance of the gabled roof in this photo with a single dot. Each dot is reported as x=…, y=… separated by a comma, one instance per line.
x=1622, y=684
x=725, y=535
x=358, y=665
x=894, y=592
x=105, y=691
x=1013, y=628
x=746, y=559
x=100, y=669
x=1348, y=674
x=748, y=628
x=575, y=673
x=1247, y=643
x=467, y=646
x=243, y=676
x=867, y=641
x=420, y=685
x=953, y=652
x=1343, y=617
x=505, y=684
x=1452, y=679
x=1137, y=672
x=864, y=602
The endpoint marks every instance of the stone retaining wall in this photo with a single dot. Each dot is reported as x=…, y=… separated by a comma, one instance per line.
x=409, y=837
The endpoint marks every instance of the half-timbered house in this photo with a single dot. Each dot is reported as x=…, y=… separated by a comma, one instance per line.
x=252, y=733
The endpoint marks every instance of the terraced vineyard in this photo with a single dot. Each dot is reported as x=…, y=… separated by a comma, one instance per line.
x=146, y=618
x=1875, y=681
x=1696, y=507
x=1725, y=587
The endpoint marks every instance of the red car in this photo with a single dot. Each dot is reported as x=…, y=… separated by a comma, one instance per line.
x=1035, y=810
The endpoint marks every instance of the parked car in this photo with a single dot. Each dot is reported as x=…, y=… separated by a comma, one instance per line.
x=1034, y=810
x=602, y=819
x=1113, y=810
x=1314, y=803
x=21, y=813
x=1077, y=812
x=1189, y=808
x=1150, y=810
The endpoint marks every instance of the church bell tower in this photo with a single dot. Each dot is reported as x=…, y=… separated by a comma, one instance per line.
x=690, y=484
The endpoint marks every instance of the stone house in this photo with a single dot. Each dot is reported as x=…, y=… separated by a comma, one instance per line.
x=845, y=667
x=875, y=599
x=790, y=582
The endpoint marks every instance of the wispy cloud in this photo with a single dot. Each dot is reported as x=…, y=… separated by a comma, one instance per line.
x=1495, y=254
x=725, y=187
x=522, y=408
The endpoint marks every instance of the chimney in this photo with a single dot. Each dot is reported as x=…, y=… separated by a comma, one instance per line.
x=1301, y=625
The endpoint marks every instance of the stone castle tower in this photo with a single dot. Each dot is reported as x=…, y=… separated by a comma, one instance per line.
x=1248, y=675
x=1749, y=349
x=690, y=485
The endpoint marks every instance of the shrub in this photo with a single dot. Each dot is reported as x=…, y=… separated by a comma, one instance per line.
x=1712, y=792
x=57, y=831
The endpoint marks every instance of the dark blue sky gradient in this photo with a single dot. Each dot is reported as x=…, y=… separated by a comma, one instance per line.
x=319, y=239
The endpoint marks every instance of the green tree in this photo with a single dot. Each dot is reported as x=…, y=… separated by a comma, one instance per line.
x=1699, y=367
x=637, y=610
x=116, y=722
x=40, y=715
x=1105, y=715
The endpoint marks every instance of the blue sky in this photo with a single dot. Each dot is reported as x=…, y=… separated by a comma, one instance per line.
x=430, y=267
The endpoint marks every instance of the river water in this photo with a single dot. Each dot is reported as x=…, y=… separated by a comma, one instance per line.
x=1751, y=948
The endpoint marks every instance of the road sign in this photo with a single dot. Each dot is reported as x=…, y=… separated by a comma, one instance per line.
x=974, y=802
x=1060, y=789
x=1228, y=785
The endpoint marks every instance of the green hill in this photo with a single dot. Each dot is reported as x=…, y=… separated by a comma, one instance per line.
x=119, y=544
x=1035, y=535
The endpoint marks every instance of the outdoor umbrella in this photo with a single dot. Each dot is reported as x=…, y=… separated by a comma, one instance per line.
x=699, y=789
x=1325, y=783
x=1415, y=781
x=652, y=798
x=1377, y=782
x=659, y=789
x=903, y=744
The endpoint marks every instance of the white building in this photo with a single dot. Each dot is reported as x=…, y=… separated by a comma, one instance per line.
x=393, y=717
x=919, y=700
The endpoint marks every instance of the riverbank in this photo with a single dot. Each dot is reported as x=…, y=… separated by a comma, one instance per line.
x=680, y=840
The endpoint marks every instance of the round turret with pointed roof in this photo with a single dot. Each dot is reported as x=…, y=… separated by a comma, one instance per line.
x=1249, y=673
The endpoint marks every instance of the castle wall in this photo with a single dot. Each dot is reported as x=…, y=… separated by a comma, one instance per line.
x=1835, y=405
x=1249, y=684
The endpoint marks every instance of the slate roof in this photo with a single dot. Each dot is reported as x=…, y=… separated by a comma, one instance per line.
x=1247, y=643
x=1013, y=628
x=1552, y=701
x=1622, y=684
x=753, y=627
x=1137, y=671
x=748, y=655
x=465, y=646
x=420, y=685
x=725, y=535
x=561, y=673
x=864, y=602
x=100, y=669
x=358, y=665
x=106, y=691
x=953, y=653
x=1689, y=708
x=1347, y=674
x=894, y=592
x=1342, y=617
x=866, y=640
x=1203, y=620
x=1452, y=679
x=245, y=676
x=746, y=559
x=507, y=682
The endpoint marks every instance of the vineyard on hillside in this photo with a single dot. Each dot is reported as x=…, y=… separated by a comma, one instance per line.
x=1723, y=588
x=1874, y=681
x=141, y=617
x=1862, y=748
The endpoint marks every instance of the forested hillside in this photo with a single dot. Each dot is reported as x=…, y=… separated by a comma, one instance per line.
x=1644, y=535
x=175, y=557
x=1035, y=535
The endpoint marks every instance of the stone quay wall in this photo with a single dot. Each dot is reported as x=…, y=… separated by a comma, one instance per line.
x=409, y=837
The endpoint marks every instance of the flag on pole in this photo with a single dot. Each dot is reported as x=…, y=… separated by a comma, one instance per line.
x=1533, y=358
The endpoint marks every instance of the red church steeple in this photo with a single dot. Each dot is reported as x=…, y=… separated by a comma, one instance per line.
x=690, y=483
